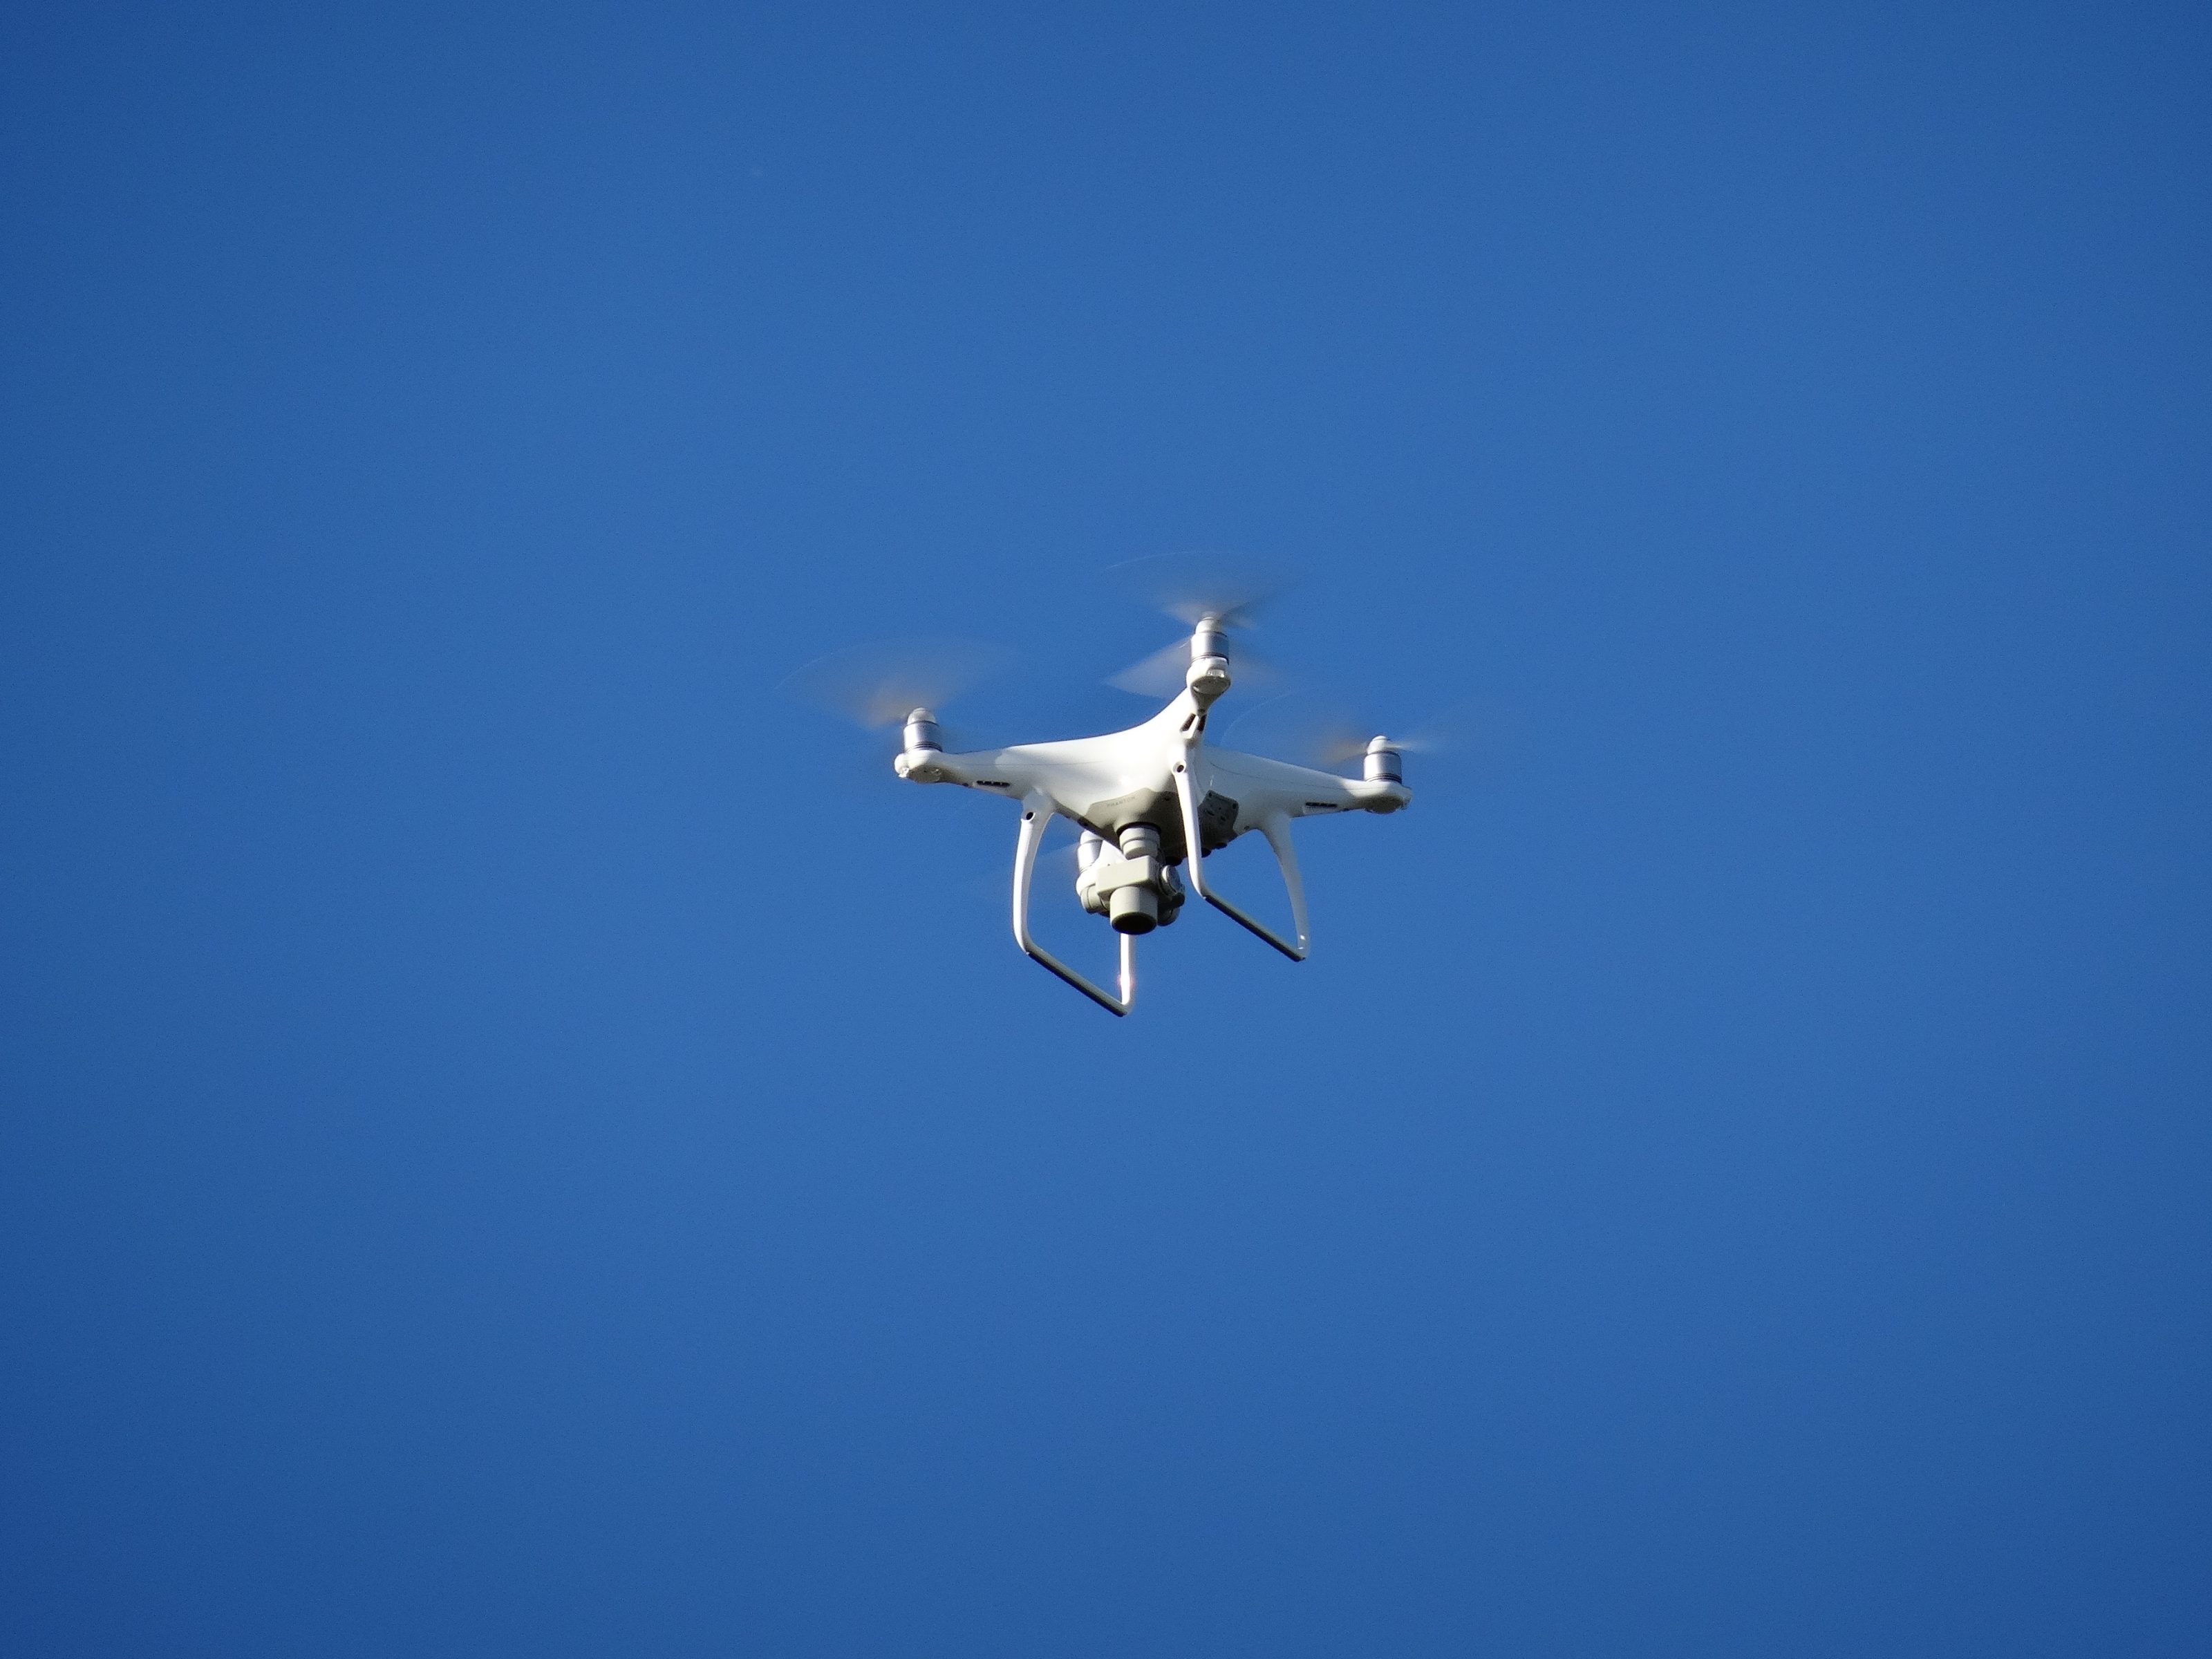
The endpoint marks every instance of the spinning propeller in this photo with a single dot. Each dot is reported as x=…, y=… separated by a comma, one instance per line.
x=878, y=685
x=1196, y=589
x=1318, y=730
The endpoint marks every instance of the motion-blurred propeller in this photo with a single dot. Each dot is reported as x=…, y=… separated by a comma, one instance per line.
x=876, y=685
x=1317, y=731
x=1190, y=587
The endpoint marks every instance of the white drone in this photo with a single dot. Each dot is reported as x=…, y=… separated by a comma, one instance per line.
x=1150, y=801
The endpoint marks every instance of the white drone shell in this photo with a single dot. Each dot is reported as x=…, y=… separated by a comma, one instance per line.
x=1159, y=797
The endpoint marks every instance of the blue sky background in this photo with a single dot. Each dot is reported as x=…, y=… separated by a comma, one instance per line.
x=513, y=1145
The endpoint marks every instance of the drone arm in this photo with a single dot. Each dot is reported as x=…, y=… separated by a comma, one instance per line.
x=1036, y=813
x=1277, y=828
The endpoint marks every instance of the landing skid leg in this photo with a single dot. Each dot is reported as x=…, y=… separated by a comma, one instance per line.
x=1036, y=813
x=1277, y=828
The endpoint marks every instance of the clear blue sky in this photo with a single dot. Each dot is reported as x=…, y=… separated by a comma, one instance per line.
x=511, y=1144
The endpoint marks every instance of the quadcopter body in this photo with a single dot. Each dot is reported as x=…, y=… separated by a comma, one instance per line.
x=1152, y=803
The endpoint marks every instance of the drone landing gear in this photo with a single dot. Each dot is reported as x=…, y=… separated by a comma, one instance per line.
x=1039, y=811
x=1277, y=828
x=1036, y=813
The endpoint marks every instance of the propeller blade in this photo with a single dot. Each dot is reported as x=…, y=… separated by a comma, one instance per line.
x=1318, y=731
x=1159, y=674
x=1191, y=586
x=876, y=685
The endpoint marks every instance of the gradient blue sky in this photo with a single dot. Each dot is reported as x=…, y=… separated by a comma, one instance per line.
x=512, y=1144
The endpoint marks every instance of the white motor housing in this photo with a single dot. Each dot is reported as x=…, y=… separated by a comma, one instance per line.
x=925, y=748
